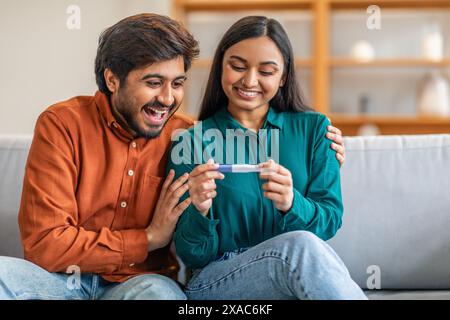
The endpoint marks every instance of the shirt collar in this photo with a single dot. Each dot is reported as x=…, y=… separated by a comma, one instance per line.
x=104, y=107
x=275, y=118
x=102, y=102
x=225, y=120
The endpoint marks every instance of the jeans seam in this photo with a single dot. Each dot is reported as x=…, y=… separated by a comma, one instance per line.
x=95, y=283
x=258, y=258
x=39, y=296
x=6, y=288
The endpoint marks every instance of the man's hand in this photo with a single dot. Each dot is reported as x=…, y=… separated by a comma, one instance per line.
x=167, y=211
x=335, y=135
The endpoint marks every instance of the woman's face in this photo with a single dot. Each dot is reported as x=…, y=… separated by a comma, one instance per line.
x=252, y=73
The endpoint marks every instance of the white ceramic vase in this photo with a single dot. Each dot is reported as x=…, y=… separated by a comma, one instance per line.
x=433, y=43
x=433, y=98
x=362, y=51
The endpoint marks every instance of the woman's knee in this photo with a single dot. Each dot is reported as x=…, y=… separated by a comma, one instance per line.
x=297, y=245
x=299, y=239
x=303, y=235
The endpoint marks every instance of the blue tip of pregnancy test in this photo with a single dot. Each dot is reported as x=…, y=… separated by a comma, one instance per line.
x=225, y=168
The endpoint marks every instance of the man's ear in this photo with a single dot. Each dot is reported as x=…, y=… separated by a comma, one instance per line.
x=112, y=82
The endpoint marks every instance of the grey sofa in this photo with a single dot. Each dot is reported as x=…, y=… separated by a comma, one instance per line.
x=396, y=225
x=395, y=238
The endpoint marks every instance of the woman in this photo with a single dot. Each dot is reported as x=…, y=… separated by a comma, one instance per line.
x=260, y=235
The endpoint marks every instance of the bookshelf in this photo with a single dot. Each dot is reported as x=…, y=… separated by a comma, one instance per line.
x=321, y=67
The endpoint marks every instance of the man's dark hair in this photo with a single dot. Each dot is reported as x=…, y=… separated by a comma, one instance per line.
x=141, y=40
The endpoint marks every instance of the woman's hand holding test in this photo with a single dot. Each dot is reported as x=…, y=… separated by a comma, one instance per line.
x=279, y=186
x=202, y=186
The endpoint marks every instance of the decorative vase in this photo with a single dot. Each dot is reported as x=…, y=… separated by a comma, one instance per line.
x=433, y=99
x=433, y=43
x=368, y=129
x=362, y=51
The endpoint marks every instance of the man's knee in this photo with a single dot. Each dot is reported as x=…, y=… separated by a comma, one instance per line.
x=10, y=265
x=166, y=289
x=152, y=287
x=11, y=273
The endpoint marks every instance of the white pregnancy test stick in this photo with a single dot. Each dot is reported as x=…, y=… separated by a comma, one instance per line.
x=239, y=168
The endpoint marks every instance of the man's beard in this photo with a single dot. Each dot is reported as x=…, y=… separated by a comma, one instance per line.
x=127, y=114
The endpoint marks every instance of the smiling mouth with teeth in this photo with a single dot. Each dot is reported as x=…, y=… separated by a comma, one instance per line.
x=155, y=112
x=246, y=93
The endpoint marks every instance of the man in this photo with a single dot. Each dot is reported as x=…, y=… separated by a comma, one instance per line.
x=94, y=201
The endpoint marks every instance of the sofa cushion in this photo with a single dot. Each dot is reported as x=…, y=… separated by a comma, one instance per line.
x=13, y=156
x=396, y=224
x=408, y=294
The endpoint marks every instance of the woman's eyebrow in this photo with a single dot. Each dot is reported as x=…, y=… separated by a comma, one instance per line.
x=238, y=58
x=262, y=63
x=269, y=62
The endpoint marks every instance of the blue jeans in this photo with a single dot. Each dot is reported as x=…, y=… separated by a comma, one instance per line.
x=23, y=280
x=294, y=265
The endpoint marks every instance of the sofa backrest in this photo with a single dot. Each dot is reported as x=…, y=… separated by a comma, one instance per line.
x=396, y=224
x=13, y=157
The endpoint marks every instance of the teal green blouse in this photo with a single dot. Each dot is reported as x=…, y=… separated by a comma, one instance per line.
x=240, y=215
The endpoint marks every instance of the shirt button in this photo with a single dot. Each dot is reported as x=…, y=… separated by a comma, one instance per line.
x=123, y=204
x=133, y=144
x=130, y=172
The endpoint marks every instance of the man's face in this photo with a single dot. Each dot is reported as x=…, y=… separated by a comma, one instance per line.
x=149, y=97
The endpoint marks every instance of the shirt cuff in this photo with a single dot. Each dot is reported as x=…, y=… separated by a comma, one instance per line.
x=199, y=225
x=135, y=246
x=300, y=213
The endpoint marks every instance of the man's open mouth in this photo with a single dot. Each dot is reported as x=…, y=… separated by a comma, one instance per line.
x=155, y=115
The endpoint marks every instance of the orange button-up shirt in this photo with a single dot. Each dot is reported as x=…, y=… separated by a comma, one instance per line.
x=89, y=192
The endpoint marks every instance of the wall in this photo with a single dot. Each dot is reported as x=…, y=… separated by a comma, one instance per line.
x=43, y=62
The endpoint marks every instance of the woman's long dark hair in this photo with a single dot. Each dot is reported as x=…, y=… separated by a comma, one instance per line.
x=288, y=97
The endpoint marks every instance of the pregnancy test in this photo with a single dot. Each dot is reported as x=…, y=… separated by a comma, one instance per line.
x=239, y=168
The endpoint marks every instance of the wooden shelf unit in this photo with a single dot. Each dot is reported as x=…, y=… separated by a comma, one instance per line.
x=398, y=4
x=181, y=7
x=392, y=124
x=380, y=63
x=321, y=63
